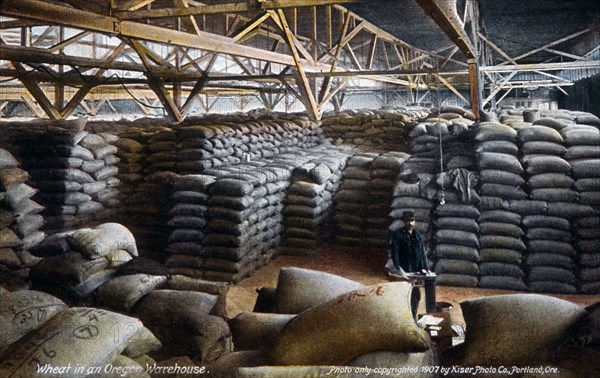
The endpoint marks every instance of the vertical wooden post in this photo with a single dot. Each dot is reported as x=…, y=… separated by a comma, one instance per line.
x=474, y=86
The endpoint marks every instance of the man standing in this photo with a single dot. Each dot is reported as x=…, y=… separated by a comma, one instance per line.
x=407, y=252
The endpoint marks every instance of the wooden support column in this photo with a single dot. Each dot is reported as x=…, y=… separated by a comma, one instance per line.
x=37, y=93
x=156, y=84
x=474, y=87
x=307, y=97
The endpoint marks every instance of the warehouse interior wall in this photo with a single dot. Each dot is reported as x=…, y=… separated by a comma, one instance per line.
x=584, y=95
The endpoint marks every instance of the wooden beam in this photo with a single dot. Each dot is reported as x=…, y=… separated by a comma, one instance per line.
x=36, y=92
x=556, y=42
x=446, y=18
x=251, y=25
x=498, y=49
x=157, y=85
x=85, y=89
x=327, y=80
x=498, y=88
x=450, y=87
x=232, y=7
x=133, y=5
x=30, y=102
x=68, y=41
x=302, y=80
x=474, y=91
x=56, y=14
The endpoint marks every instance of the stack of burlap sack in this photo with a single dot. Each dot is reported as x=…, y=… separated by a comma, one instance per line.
x=20, y=221
x=372, y=130
x=100, y=267
x=503, y=204
x=74, y=170
x=308, y=211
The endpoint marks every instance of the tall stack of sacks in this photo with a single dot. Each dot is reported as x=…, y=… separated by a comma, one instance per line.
x=308, y=222
x=139, y=209
x=550, y=261
x=216, y=141
x=352, y=200
x=373, y=130
x=244, y=219
x=384, y=170
x=413, y=192
x=188, y=219
x=502, y=198
x=76, y=263
x=453, y=130
x=20, y=221
x=152, y=223
x=74, y=170
x=456, y=232
x=583, y=154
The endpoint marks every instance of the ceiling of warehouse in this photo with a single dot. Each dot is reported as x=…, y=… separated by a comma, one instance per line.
x=515, y=26
x=314, y=50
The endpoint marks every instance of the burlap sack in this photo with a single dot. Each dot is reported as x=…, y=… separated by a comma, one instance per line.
x=226, y=365
x=298, y=372
x=299, y=289
x=23, y=311
x=80, y=336
x=184, y=309
x=255, y=330
x=123, y=292
x=103, y=239
x=332, y=333
x=141, y=342
x=516, y=329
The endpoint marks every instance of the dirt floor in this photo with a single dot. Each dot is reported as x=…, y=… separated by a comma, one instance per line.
x=362, y=265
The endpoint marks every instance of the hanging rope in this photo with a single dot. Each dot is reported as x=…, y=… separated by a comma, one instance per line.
x=442, y=198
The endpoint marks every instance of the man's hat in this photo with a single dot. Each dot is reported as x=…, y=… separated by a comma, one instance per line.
x=407, y=216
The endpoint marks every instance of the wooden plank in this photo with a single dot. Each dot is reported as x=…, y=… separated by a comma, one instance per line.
x=36, y=92
x=302, y=80
x=450, y=87
x=251, y=25
x=30, y=102
x=52, y=13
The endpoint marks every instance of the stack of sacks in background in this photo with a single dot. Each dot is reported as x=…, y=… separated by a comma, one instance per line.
x=76, y=263
x=74, y=170
x=583, y=154
x=384, y=170
x=502, y=203
x=308, y=223
x=40, y=334
x=566, y=335
x=413, y=192
x=551, y=259
x=311, y=327
x=20, y=221
x=244, y=224
x=456, y=232
x=351, y=201
x=453, y=129
x=221, y=140
x=188, y=218
x=141, y=199
x=373, y=130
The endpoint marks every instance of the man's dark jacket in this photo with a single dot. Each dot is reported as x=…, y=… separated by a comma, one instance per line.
x=407, y=251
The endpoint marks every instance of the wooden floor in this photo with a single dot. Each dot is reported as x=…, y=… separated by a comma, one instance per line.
x=362, y=265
